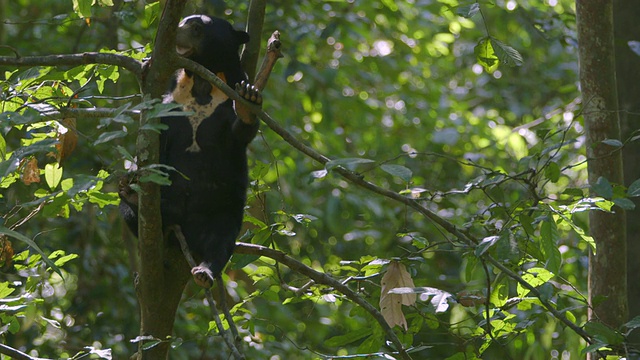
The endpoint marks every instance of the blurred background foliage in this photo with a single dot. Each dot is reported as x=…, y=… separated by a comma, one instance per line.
x=497, y=153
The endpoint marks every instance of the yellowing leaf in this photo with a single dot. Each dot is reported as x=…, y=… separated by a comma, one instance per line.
x=391, y=304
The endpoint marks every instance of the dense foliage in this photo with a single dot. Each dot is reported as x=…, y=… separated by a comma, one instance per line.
x=472, y=108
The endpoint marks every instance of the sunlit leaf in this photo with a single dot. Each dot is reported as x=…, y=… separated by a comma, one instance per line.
x=486, y=56
x=53, y=175
x=535, y=277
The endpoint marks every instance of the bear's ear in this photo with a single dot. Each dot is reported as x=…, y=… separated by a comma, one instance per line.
x=241, y=36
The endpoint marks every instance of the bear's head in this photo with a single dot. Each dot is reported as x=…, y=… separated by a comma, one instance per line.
x=211, y=42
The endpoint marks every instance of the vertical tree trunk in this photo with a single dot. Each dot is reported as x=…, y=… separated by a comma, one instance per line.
x=607, y=268
x=163, y=269
x=627, y=27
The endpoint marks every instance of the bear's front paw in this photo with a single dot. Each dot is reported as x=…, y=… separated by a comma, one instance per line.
x=249, y=93
x=202, y=276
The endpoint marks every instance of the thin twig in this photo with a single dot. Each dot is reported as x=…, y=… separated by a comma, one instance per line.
x=228, y=339
x=222, y=293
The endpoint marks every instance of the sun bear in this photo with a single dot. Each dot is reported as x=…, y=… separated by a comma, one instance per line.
x=207, y=149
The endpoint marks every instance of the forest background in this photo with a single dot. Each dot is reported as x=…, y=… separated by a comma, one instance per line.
x=470, y=109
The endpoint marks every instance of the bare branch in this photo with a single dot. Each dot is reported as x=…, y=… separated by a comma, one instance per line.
x=274, y=46
x=126, y=62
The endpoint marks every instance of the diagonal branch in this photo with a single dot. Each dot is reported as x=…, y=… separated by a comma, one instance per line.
x=322, y=278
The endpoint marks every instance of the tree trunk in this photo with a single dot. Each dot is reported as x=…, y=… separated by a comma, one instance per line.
x=626, y=27
x=607, y=267
x=163, y=269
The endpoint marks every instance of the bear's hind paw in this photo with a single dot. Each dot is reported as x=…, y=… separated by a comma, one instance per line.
x=203, y=276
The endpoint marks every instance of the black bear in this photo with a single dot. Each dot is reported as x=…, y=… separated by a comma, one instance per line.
x=208, y=188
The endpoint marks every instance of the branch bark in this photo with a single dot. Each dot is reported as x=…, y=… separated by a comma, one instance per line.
x=134, y=66
x=607, y=267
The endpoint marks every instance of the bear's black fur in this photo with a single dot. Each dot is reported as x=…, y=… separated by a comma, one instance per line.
x=207, y=194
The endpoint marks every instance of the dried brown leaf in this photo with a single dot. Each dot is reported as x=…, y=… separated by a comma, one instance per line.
x=391, y=304
x=67, y=139
x=30, y=172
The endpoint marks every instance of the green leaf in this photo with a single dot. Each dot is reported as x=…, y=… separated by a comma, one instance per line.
x=506, y=53
x=348, y=338
x=110, y=135
x=400, y=171
x=603, y=333
x=630, y=325
x=5, y=289
x=624, y=203
x=468, y=11
x=527, y=223
x=613, y=142
x=603, y=188
x=349, y=163
x=634, y=189
x=549, y=238
x=552, y=172
x=103, y=199
x=486, y=56
x=53, y=175
x=32, y=244
x=3, y=148
x=535, y=277
x=82, y=8
x=372, y=344
x=64, y=259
